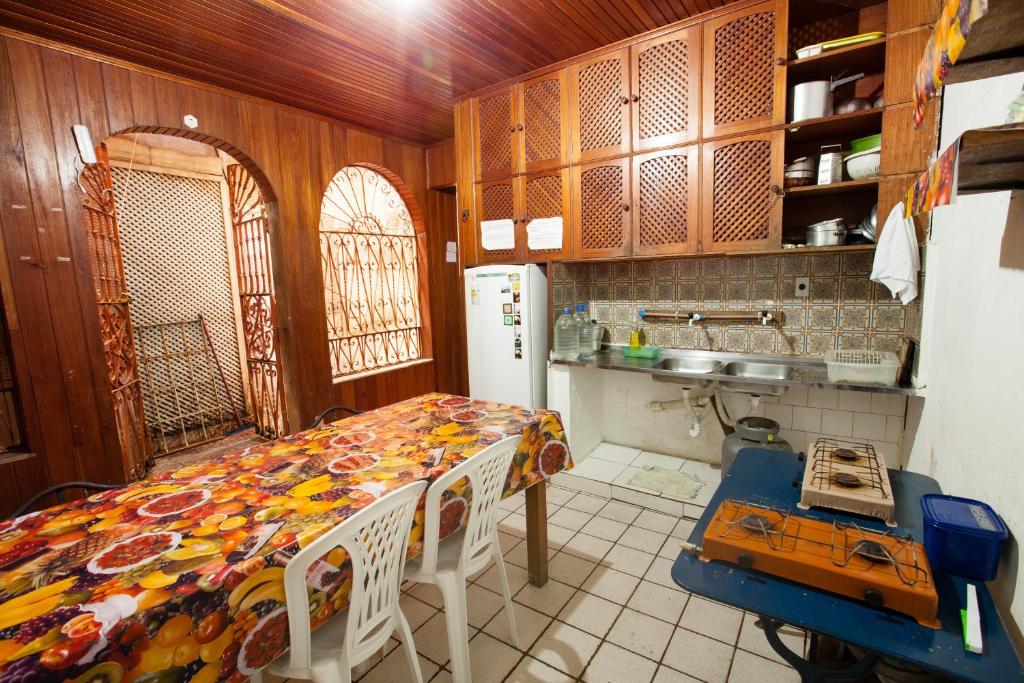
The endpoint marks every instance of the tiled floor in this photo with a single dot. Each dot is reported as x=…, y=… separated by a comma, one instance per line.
x=610, y=611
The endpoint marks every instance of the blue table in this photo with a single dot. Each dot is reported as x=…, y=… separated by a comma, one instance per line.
x=772, y=477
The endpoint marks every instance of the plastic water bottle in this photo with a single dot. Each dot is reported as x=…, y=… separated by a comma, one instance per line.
x=567, y=336
x=586, y=330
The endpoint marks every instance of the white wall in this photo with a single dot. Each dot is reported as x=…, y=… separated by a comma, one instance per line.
x=973, y=340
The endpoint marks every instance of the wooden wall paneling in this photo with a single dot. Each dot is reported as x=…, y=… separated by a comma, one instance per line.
x=665, y=84
x=906, y=149
x=543, y=103
x=364, y=147
x=170, y=109
x=744, y=66
x=902, y=54
x=92, y=99
x=904, y=14
x=77, y=308
x=448, y=310
x=499, y=200
x=441, y=165
x=29, y=288
x=144, y=104
x=601, y=207
x=599, y=96
x=742, y=181
x=118, y=91
x=546, y=195
x=496, y=153
x=666, y=201
x=465, y=191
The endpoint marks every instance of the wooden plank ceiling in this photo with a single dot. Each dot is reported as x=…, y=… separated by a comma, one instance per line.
x=389, y=65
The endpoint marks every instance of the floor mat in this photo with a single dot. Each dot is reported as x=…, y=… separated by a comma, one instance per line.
x=677, y=485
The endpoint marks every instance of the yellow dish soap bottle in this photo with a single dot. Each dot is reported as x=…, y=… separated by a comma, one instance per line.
x=634, y=331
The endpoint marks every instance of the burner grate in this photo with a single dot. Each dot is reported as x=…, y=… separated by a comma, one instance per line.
x=851, y=543
x=847, y=466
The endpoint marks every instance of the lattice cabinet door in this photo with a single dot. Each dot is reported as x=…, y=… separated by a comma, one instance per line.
x=665, y=85
x=499, y=200
x=599, y=90
x=742, y=181
x=601, y=209
x=494, y=134
x=665, y=201
x=744, y=66
x=544, y=120
x=546, y=195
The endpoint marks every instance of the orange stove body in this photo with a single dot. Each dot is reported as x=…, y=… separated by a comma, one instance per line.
x=806, y=552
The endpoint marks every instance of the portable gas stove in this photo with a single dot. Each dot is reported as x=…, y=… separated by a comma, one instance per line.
x=882, y=569
x=847, y=476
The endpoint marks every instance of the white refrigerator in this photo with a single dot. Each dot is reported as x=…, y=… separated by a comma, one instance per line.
x=507, y=334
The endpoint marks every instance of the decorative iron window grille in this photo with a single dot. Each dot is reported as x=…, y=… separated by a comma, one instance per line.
x=368, y=249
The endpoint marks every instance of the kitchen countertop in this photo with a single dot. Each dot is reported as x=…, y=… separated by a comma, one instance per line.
x=808, y=371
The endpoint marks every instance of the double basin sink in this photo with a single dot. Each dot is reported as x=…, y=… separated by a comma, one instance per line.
x=729, y=375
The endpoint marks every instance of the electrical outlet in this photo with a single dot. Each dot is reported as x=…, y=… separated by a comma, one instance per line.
x=803, y=287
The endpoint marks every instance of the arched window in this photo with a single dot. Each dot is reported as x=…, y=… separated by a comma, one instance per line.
x=369, y=248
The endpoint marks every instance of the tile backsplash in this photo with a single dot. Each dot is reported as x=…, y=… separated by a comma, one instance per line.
x=844, y=308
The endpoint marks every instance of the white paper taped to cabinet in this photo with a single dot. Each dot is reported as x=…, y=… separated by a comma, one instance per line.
x=497, y=235
x=544, y=233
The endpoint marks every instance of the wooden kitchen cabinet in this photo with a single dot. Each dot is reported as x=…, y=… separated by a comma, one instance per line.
x=543, y=142
x=601, y=209
x=546, y=195
x=599, y=92
x=742, y=187
x=494, y=134
x=499, y=200
x=665, y=214
x=744, y=69
x=665, y=89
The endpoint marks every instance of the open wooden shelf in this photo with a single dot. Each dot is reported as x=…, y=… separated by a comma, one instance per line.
x=837, y=128
x=868, y=57
x=833, y=188
x=995, y=46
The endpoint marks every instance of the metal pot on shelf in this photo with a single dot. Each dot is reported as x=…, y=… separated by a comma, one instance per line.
x=830, y=233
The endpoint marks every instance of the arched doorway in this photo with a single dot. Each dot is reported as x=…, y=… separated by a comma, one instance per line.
x=248, y=218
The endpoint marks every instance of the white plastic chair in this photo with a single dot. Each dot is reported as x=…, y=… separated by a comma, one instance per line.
x=447, y=563
x=376, y=539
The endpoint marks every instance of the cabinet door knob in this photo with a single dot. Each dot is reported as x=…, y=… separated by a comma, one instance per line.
x=777, y=191
x=780, y=61
x=625, y=206
x=524, y=220
x=624, y=100
x=636, y=98
x=519, y=126
x=512, y=129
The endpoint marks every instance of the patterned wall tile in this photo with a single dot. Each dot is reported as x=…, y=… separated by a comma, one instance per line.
x=854, y=317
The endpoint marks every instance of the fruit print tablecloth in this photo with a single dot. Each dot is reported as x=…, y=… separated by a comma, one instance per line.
x=179, y=577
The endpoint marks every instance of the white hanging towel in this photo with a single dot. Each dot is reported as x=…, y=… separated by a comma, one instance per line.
x=897, y=256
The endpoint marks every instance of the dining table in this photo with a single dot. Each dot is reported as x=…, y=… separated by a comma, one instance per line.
x=180, y=576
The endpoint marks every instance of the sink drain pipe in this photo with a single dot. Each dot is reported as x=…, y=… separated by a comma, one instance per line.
x=697, y=409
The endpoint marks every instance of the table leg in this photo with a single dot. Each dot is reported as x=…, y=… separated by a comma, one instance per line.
x=810, y=672
x=537, y=532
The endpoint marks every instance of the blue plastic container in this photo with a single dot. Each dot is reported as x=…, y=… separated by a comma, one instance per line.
x=962, y=537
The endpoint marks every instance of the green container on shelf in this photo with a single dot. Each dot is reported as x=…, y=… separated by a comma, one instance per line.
x=864, y=144
x=645, y=352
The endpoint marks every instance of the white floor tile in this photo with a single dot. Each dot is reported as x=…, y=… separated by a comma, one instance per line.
x=748, y=667
x=566, y=648
x=620, y=512
x=558, y=495
x=666, y=462
x=703, y=471
x=482, y=604
x=611, y=585
x=570, y=519
x=517, y=555
x=704, y=658
x=659, y=601
x=641, y=634
x=416, y=611
x=613, y=664
x=395, y=668
x=570, y=569
x=684, y=528
x=712, y=619
x=558, y=536
x=661, y=572
x=586, y=503
x=529, y=624
x=642, y=539
x=490, y=660
x=514, y=525
x=513, y=502
x=625, y=478
x=608, y=529
x=583, y=484
x=432, y=639
x=651, y=501
x=517, y=578
x=656, y=521
x=629, y=560
x=549, y=598
x=532, y=670
x=615, y=453
x=588, y=547
x=599, y=470
x=667, y=675
x=590, y=613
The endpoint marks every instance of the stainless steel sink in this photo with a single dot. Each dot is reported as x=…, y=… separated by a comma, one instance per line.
x=689, y=364
x=758, y=370
x=754, y=370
